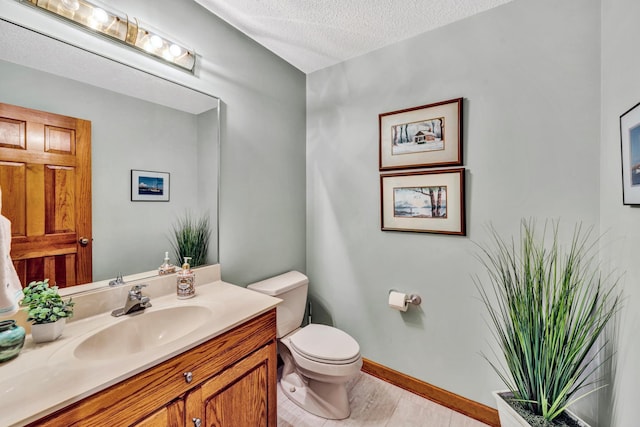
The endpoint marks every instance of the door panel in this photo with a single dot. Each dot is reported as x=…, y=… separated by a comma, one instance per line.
x=45, y=176
x=58, y=140
x=241, y=395
x=243, y=403
x=171, y=415
x=13, y=133
x=13, y=181
x=59, y=199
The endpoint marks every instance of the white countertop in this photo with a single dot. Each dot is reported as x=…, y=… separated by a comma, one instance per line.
x=47, y=377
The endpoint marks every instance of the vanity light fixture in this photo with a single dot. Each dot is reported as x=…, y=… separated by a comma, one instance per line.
x=103, y=20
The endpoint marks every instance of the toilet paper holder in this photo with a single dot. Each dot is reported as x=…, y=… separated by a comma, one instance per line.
x=413, y=299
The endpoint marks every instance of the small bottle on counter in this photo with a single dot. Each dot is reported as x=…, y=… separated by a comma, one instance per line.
x=186, y=281
x=166, y=267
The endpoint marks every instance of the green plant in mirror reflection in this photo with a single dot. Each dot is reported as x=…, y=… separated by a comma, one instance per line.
x=190, y=238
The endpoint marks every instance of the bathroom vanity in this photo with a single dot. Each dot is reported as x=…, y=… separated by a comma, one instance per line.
x=226, y=381
x=209, y=360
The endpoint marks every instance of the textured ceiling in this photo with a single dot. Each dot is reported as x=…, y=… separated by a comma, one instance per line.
x=314, y=34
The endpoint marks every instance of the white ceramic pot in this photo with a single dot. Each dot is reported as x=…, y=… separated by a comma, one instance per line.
x=510, y=418
x=45, y=332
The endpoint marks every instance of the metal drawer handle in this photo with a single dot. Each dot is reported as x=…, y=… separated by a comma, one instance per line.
x=188, y=377
x=197, y=422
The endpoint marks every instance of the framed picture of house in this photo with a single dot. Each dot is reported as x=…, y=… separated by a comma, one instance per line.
x=425, y=136
x=430, y=201
x=630, y=142
x=149, y=186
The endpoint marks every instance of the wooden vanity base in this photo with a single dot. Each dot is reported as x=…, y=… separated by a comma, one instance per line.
x=233, y=383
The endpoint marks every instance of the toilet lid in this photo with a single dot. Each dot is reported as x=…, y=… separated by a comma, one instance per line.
x=326, y=344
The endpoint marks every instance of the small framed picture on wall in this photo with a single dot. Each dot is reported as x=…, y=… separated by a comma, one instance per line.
x=430, y=201
x=630, y=145
x=425, y=136
x=149, y=186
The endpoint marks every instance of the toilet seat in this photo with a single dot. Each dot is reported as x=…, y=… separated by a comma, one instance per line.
x=325, y=344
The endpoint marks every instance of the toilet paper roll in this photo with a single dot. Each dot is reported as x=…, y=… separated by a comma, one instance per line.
x=398, y=301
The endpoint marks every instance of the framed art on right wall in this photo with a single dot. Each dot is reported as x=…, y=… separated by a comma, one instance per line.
x=630, y=145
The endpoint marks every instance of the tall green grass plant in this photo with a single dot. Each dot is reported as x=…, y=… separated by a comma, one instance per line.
x=190, y=238
x=548, y=306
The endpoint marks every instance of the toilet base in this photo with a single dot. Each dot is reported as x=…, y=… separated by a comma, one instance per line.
x=318, y=388
x=325, y=400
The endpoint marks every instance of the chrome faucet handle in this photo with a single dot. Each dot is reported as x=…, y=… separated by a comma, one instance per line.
x=136, y=291
x=136, y=302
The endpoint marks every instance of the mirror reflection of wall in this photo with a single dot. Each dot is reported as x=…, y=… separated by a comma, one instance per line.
x=129, y=133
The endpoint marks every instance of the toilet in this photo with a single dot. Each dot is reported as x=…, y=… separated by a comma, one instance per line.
x=319, y=360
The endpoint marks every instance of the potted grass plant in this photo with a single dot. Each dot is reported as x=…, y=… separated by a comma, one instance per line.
x=548, y=306
x=190, y=238
x=46, y=309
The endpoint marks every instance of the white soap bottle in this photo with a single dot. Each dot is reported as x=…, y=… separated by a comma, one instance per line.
x=166, y=267
x=186, y=281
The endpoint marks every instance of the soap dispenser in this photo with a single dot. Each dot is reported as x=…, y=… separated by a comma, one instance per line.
x=166, y=267
x=186, y=281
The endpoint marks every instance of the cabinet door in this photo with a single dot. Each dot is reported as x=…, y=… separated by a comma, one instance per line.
x=242, y=395
x=171, y=415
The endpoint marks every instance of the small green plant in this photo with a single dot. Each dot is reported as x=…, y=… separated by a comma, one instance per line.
x=190, y=238
x=548, y=308
x=44, y=304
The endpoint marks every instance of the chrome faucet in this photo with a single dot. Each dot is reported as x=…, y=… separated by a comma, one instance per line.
x=135, y=302
x=117, y=281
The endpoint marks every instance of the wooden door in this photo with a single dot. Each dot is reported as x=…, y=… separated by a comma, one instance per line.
x=45, y=177
x=241, y=395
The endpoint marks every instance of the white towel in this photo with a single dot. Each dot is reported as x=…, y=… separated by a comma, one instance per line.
x=11, y=289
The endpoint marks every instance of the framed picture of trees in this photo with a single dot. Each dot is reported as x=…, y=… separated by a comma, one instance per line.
x=425, y=136
x=429, y=201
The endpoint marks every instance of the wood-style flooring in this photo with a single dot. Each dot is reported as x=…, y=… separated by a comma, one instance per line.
x=375, y=403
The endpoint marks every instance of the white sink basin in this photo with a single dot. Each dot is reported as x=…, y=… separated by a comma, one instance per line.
x=141, y=332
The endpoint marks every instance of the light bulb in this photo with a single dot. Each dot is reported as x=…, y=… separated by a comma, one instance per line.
x=71, y=5
x=175, y=50
x=156, y=41
x=99, y=15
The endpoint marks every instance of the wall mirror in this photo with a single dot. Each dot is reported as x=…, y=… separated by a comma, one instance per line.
x=139, y=122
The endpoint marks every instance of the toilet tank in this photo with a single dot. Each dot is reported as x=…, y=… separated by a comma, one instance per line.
x=291, y=288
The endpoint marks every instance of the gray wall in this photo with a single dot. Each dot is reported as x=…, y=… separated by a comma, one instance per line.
x=529, y=72
x=208, y=166
x=620, y=92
